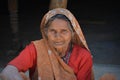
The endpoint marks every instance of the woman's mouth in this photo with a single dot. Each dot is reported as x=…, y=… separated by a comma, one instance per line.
x=59, y=43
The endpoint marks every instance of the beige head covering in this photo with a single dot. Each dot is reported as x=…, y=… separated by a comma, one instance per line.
x=78, y=36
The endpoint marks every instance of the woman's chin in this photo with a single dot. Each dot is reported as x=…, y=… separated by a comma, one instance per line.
x=59, y=47
x=61, y=51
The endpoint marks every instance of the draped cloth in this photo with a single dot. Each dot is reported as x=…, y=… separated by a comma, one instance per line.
x=49, y=64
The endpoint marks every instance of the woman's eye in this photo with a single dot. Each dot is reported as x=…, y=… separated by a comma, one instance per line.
x=64, y=31
x=52, y=31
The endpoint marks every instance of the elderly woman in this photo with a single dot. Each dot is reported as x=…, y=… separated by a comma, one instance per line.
x=62, y=53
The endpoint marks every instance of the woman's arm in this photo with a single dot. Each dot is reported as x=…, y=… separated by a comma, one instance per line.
x=15, y=69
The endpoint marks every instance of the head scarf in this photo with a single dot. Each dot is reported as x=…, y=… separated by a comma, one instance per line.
x=50, y=66
x=78, y=37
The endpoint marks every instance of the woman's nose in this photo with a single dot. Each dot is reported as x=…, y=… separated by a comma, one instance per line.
x=58, y=35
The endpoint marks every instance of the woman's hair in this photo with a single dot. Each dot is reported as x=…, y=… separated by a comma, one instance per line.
x=58, y=16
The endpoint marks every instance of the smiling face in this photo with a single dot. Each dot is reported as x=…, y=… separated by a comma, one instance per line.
x=59, y=35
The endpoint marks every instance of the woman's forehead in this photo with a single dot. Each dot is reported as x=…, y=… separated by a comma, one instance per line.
x=59, y=23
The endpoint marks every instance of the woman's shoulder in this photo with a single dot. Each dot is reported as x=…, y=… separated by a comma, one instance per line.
x=80, y=49
x=33, y=43
x=30, y=47
x=80, y=52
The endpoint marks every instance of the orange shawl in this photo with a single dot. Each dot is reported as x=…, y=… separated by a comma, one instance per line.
x=49, y=65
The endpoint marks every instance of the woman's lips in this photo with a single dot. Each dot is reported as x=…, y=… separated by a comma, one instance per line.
x=59, y=43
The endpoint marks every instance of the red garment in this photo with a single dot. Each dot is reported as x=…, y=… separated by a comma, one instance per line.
x=80, y=61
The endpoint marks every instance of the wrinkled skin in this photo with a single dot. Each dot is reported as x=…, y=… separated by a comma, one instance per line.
x=59, y=36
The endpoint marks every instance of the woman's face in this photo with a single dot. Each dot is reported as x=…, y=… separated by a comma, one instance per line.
x=59, y=35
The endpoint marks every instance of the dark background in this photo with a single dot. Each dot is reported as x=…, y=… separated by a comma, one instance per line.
x=99, y=20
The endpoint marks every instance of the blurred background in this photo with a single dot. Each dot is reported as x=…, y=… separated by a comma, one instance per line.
x=99, y=20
